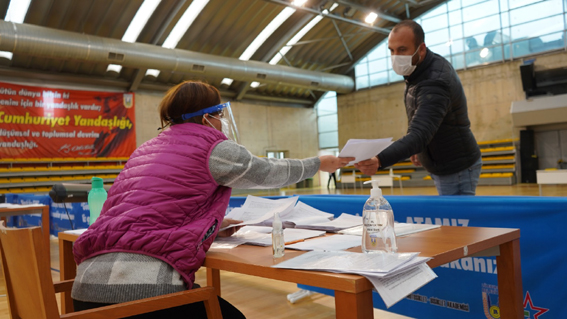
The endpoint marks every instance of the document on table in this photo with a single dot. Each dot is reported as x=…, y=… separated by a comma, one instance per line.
x=327, y=243
x=262, y=236
x=303, y=214
x=394, y=276
x=257, y=210
x=395, y=288
x=342, y=222
x=364, y=149
x=401, y=229
x=348, y=262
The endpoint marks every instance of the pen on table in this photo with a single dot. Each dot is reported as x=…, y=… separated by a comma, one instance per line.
x=294, y=241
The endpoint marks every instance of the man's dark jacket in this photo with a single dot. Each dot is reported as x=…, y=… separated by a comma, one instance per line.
x=438, y=123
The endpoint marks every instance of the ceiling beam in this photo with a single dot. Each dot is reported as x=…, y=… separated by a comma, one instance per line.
x=342, y=39
x=140, y=73
x=335, y=17
x=359, y=7
x=274, y=49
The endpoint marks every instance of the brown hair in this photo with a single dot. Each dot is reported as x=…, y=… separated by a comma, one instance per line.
x=187, y=97
x=418, y=34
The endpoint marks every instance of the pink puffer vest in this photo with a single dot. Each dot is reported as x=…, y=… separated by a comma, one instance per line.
x=164, y=203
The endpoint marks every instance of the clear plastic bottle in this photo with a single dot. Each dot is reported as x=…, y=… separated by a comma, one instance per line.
x=97, y=197
x=378, y=233
x=278, y=243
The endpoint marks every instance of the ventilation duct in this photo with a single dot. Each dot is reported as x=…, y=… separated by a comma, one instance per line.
x=44, y=42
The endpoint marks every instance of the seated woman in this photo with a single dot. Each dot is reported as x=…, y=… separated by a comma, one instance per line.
x=168, y=204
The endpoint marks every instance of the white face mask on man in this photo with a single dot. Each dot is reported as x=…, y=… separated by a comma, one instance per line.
x=402, y=64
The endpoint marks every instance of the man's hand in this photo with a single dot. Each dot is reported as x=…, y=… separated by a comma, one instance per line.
x=415, y=160
x=228, y=232
x=330, y=163
x=369, y=166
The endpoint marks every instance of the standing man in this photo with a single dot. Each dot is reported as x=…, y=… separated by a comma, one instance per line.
x=439, y=137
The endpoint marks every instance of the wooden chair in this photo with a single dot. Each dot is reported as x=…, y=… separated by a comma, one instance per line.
x=31, y=291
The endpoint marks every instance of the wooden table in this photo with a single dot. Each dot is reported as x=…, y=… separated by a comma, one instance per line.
x=43, y=210
x=353, y=293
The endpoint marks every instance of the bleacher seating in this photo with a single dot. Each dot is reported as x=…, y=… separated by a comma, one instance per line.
x=36, y=175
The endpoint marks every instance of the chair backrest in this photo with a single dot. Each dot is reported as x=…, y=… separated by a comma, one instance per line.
x=27, y=273
x=385, y=180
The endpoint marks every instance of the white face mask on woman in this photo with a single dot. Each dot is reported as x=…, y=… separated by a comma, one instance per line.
x=225, y=126
x=402, y=64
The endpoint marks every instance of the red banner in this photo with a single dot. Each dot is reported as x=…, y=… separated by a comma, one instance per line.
x=40, y=122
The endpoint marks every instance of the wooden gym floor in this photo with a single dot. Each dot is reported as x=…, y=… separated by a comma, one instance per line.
x=270, y=295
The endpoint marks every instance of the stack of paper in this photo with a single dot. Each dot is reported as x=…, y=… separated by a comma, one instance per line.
x=364, y=149
x=393, y=275
x=303, y=214
x=329, y=243
x=260, y=211
x=262, y=236
x=342, y=222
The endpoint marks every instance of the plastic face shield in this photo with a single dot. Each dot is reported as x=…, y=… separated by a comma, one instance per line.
x=225, y=114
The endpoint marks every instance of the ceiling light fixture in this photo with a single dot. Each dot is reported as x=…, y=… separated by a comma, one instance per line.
x=371, y=17
x=136, y=25
x=181, y=28
x=300, y=35
x=298, y=3
x=262, y=37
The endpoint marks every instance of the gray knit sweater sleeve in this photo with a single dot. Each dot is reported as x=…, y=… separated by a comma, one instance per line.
x=234, y=166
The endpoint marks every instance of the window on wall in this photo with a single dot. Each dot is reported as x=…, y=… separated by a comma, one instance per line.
x=469, y=33
x=327, y=121
x=276, y=154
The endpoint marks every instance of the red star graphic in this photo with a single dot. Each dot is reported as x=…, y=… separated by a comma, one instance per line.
x=540, y=311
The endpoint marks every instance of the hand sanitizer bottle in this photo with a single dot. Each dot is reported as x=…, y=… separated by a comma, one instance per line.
x=278, y=243
x=378, y=233
x=97, y=197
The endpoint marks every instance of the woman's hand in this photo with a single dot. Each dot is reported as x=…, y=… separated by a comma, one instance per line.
x=228, y=232
x=330, y=163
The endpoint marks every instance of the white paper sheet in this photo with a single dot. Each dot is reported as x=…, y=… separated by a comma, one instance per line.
x=303, y=214
x=257, y=210
x=362, y=149
x=348, y=262
x=262, y=236
x=394, y=276
x=329, y=243
x=342, y=222
x=395, y=288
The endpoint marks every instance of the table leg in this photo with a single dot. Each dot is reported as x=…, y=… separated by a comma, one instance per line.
x=539, y=189
x=213, y=280
x=510, y=291
x=350, y=305
x=45, y=227
x=68, y=270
